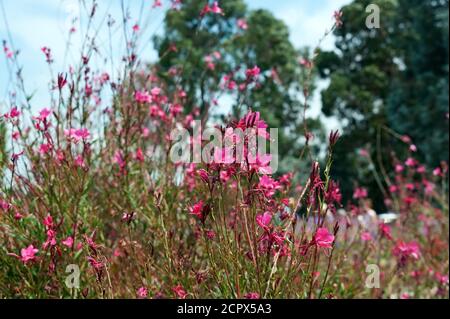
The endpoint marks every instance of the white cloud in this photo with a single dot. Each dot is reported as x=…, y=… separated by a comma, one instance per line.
x=308, y=26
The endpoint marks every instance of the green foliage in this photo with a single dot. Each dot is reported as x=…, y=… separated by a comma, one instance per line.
x=420, y=91
x=396, y=77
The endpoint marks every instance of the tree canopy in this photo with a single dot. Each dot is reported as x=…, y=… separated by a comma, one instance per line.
x=393, y=77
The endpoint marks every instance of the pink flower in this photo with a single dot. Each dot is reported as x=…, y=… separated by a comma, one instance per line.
x=253, y=73
x=8, y=52
x=360, y=193
x=264, y=220
x=68, y=242
x=43, y=114
x=407, y=250
x=157, y=3
x=136, y=28
x=216, y=9
x=179, y=292
x=48, y=222
x=252, y=295
x=210, y=63
x=96, y=264
x=197, y=210
x=364, y=153
x=405, y=296
x=18, y=216
x=142, y=292
x=155, y=91
x=139, y=156
x=443, y=279
x=51, y=239
x=269, y=185
x=393, y=189
x=28, y=254
x=421, y=169
x=119, y=160
x=145, y=132
x=338, y=18
x=306, y=63
x=385, y=231
x=437, y=172
x=323, y=238
x=410, y=162
x=59, y=156
x=4, y=205
x=45, y=148
x=406, y=139
x=260, y=163
x=13, y=113
x=77, y=135
x=142, y=97
x=79, y=161
x=242, y=24
x=62, y=81
x=176, y=109
x=429, y=187
x=203, y=175
x=16, y=156
x=399, y=168
x=366, y=236
x=48, y=54
x=224, y=176
x=210, y=234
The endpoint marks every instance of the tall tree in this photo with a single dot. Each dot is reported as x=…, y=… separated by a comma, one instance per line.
x=392, y=77
x=417, y=104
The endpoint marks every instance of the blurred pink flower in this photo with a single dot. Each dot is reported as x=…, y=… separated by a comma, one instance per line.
x=142, y=292
x=242, y=24
x=264, y=220
x=197, y=210
x=252, y=295
x=385, y=231
x=179, y=292
x=360, y=193
x=156, y=4
x=323, y=238
x=338, y=18
x=253, y=73
x=28, y=254
x=142, y=97
x=407, y=250
x=68, y=242
x=410, y=162
x=366, y=236
x=77, y=135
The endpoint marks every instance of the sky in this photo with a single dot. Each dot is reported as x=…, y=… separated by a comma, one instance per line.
x=34, y=24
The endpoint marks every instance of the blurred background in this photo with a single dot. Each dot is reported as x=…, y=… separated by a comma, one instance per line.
x=384, y=88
